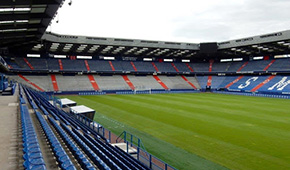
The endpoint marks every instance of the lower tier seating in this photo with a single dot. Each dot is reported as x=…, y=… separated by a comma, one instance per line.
x=74, y=144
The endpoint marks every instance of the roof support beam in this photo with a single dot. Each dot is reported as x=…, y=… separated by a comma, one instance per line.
x=26, y=2
x=21, y=26
x=14, y=17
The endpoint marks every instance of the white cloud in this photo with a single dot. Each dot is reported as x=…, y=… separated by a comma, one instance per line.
x=172, y=20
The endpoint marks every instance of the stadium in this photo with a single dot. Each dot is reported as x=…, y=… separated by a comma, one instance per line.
x=90, y=102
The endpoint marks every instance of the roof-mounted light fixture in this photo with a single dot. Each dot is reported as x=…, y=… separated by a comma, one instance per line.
x=15, y=9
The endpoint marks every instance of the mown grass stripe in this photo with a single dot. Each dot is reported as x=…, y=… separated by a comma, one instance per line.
x=238, y=132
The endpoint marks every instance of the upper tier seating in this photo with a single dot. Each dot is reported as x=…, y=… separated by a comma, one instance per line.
x=200, y=67
x=220, y=67
x=256, y=65
x=182, y=67
x=126, y=66
x=21, y=63
x=280, y=65
x=73, y=65
x=164, y=67
x=99, y=65
x=38, y=63
x=144, y=66
x=53, y=64
x=235, y=66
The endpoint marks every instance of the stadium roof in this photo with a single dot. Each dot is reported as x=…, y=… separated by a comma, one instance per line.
x=267, y=44
x=23, y=22
x=273, y=43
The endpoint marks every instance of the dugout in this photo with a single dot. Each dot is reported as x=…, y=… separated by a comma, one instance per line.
x=83, y=110
x=67, y=103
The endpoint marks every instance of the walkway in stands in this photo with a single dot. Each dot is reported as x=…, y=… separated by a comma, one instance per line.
x=112, y=66
x=155, y=67
x=266, y=68
x=244, y=65
x=10, y=137
x=209, y=79
x=176, y=69
x=188, y=66
x=60, y=64
x=263, y=83
x=93, y=82
x=233, y=82
x=191, y=84
x=130, y=84
x=87, y=65
x=27, y=62
x=54, y=82
x=133, y=65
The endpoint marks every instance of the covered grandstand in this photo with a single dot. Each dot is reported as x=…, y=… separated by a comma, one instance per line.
x=36, y=65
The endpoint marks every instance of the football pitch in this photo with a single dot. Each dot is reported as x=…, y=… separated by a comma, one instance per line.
x=202, y=130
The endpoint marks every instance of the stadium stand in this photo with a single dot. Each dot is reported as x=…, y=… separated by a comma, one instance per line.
x=73, y=83
x=182, y=67
x=38, y=64
x=73, y=65
x=53, y=64
x=279, y=84
x=217, y=81
x=115, y=82
x=99, y=65
x=73, y=143
x=237, y=66
x=144, y=66
x=144, y=82
x=202, y=81
x=199, y=67
x=147, y=67
x=220, y=67
x=175, y=82
x=247, y=83
x=229, y=81
x=256, y=65
x=164, y=67
x=280, y=65
x=21, y=63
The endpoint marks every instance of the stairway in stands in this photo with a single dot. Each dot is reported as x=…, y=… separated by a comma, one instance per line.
x=130, y=84
x=160, y=82
x=54, y=82
x=93, y=82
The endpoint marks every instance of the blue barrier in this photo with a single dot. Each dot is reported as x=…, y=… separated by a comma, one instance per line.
x=254, y=94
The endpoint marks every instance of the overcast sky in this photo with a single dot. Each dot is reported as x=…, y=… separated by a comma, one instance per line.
x=173, y=20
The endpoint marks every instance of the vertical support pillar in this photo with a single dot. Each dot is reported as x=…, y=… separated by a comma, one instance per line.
x=127, y=146
x=109, y=136
x=150, y=161
x=138, y=153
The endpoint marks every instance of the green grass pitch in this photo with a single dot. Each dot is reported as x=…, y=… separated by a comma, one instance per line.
x=202, y=131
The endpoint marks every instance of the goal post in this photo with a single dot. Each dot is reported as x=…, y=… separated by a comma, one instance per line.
x=142, y=90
